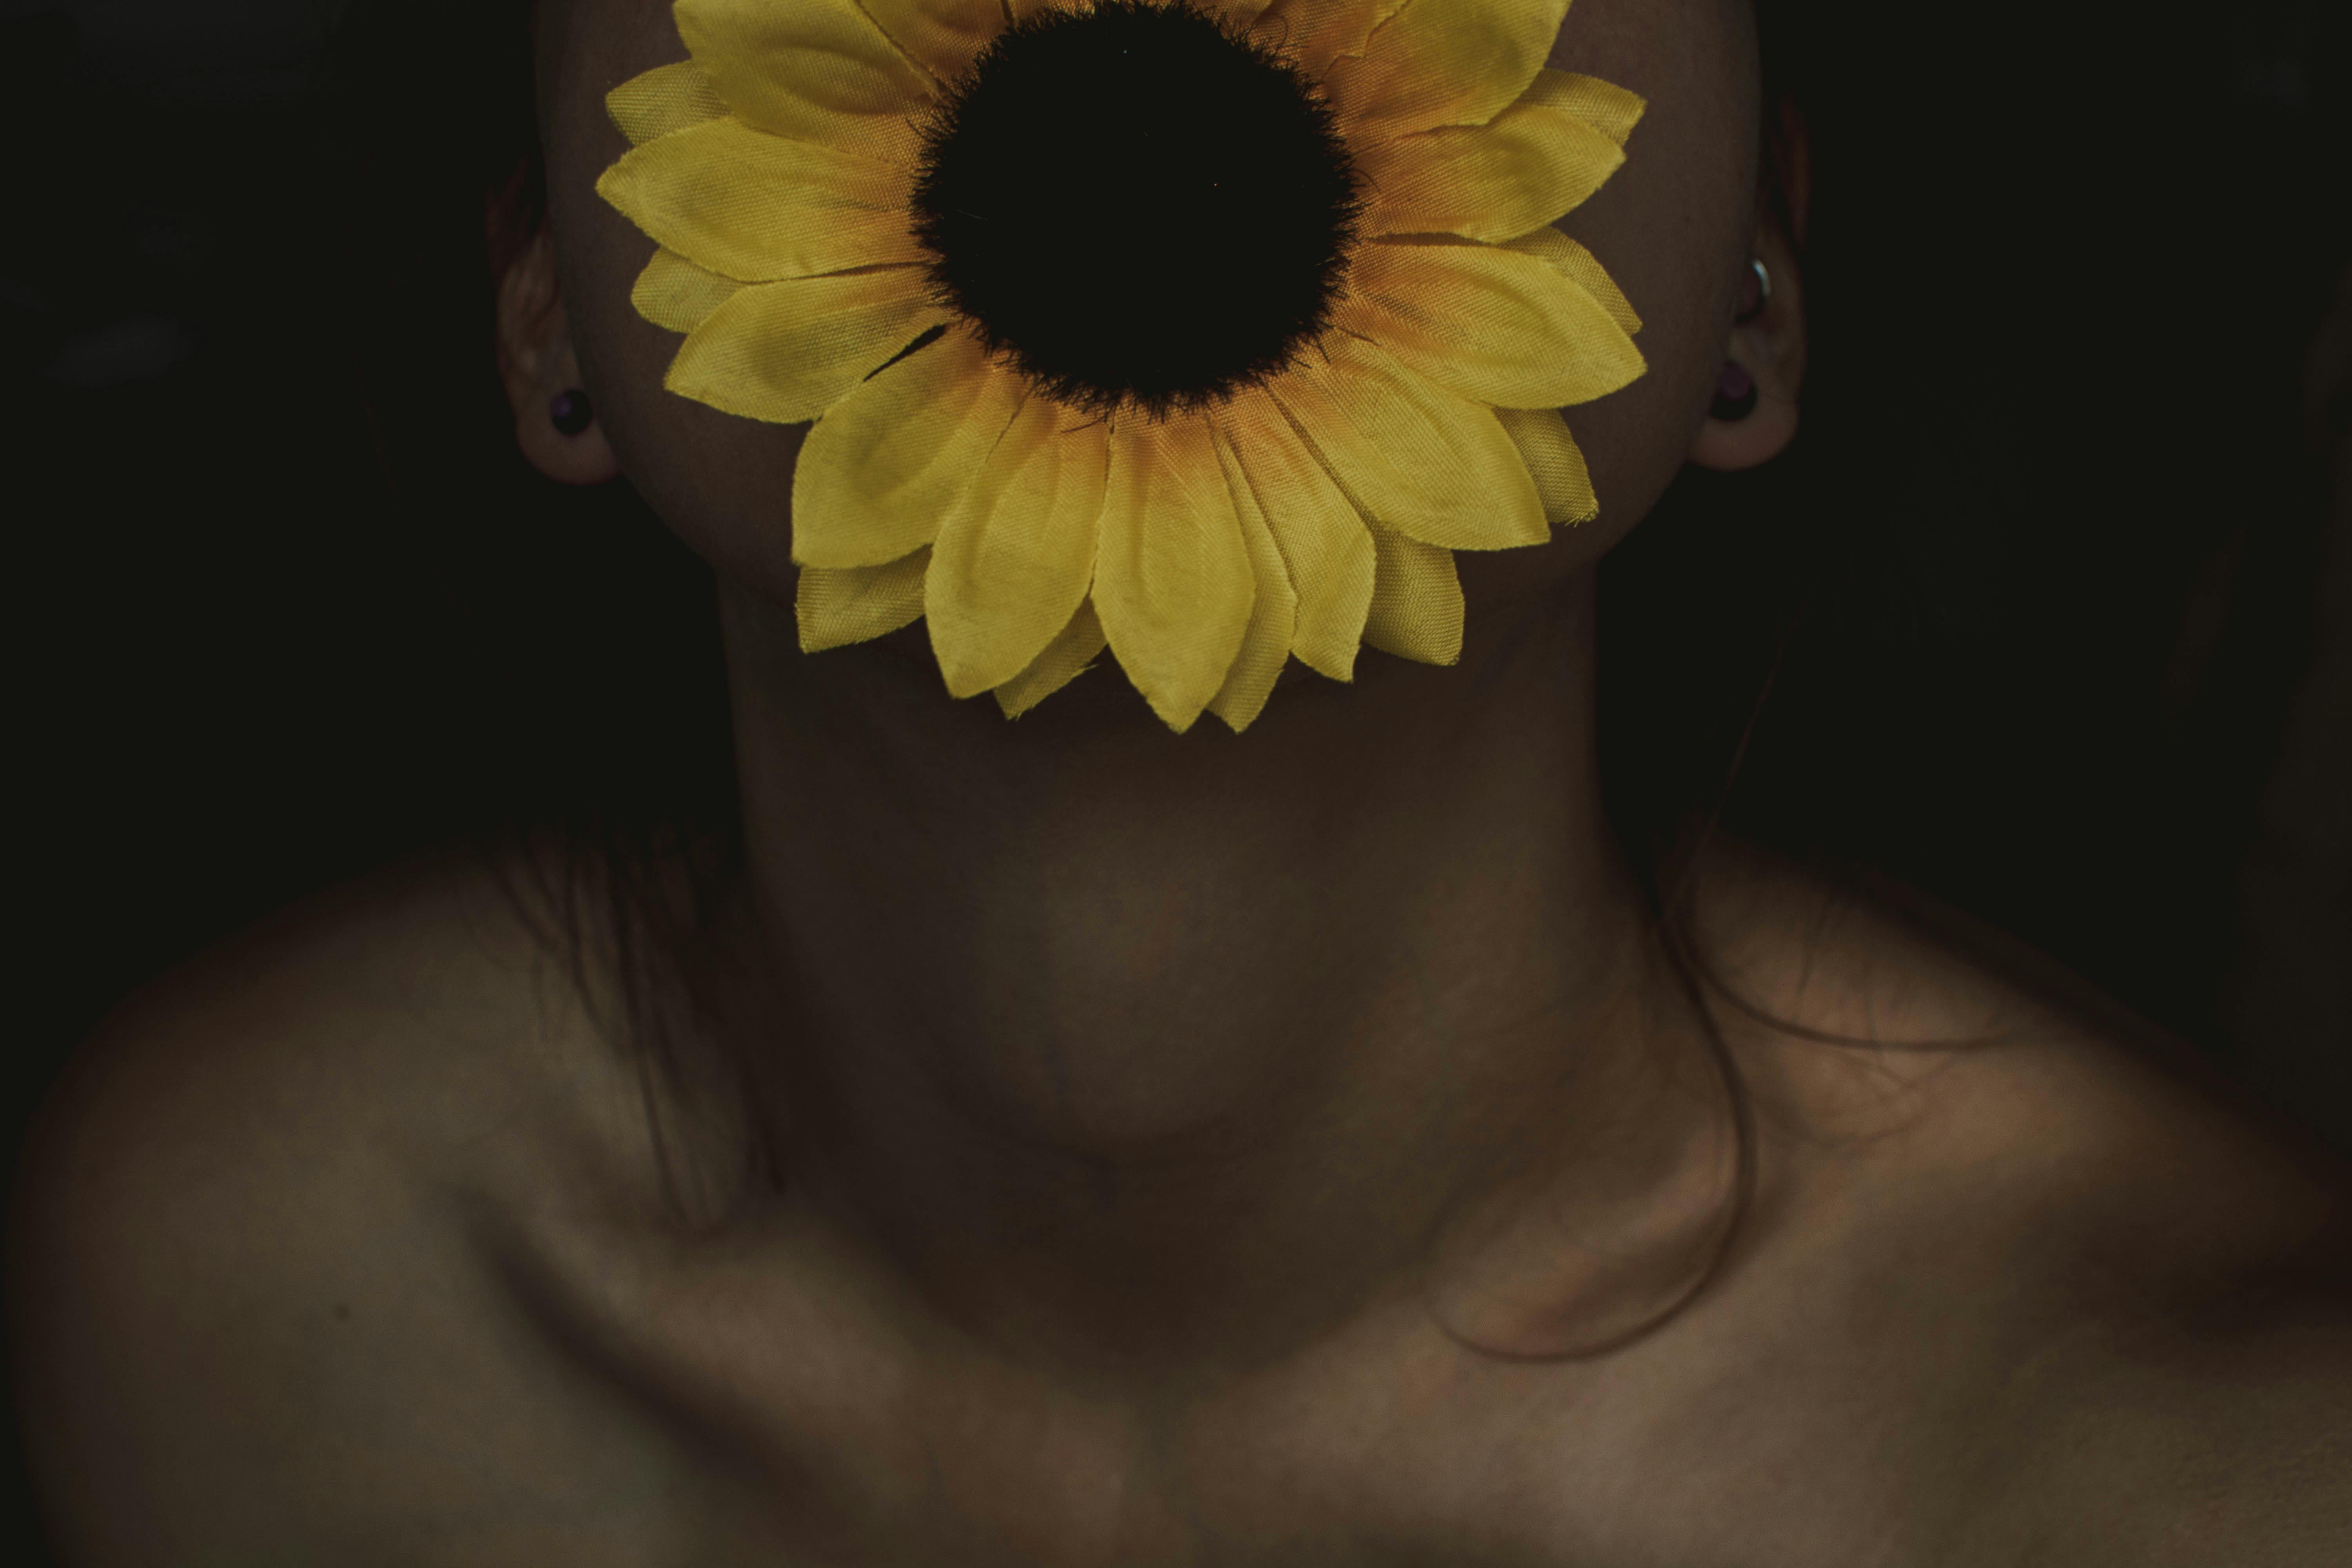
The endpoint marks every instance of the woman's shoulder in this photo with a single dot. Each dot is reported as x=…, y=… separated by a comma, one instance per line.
x=241, y=1236
x=1894, y=1041
x=406, y=1016
x=2131, y=1283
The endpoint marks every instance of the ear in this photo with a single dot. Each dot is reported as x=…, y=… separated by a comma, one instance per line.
x=538, y=365
x=1768, y=338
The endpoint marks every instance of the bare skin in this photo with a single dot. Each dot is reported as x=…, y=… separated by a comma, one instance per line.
x=1199, y=1149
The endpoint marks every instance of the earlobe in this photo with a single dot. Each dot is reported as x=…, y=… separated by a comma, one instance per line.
x=1753, y=415
x=555, y=425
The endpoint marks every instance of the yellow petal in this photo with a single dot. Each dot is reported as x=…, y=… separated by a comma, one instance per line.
x=756, y=207
x=1325, y=545
x=1173, y=581
x=1064, y=658
x=673, y=292
x=1555, y=462
x=816, y=70
x=1526, y=167
x=1416, y=603
x=1411, y=456
x=1581, y=267
x=1443, y=62
x=1016, y=552
x=941, y=36
x=666, y=99
x=878, y=474
x=842, y=605
x=1496, y=325
x=1237, y=13
x=1265, y=643
x=1606, y=107
x=788, y=351
x=1313, y=33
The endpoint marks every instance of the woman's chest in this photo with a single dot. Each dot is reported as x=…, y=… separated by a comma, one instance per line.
x=781, y=1418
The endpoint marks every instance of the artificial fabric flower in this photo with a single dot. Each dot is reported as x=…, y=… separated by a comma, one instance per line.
x=1205, y=330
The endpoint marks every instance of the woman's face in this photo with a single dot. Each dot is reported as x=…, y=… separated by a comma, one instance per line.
x=1674, y=226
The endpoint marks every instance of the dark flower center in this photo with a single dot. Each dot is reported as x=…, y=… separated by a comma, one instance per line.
x=1138, y=207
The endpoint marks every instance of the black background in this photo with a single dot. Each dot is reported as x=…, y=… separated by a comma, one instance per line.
x=2078, y=391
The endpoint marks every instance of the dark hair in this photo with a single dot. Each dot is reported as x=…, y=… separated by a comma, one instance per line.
x=1855, y=634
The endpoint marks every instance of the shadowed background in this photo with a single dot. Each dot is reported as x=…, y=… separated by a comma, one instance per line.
x=2067, y=543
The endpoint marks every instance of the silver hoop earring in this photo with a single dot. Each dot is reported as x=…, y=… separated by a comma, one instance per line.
x=1763, y=292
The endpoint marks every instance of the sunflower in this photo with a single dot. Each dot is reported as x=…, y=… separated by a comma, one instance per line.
x=1205, y=330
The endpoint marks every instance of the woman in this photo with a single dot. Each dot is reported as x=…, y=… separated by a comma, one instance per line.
x=1084, y=1142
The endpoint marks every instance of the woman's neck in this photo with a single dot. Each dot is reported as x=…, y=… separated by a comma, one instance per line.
x=1186, y=1047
